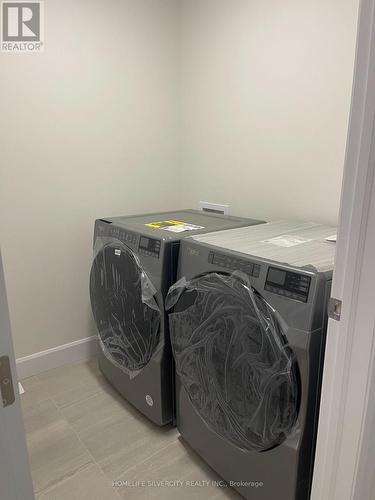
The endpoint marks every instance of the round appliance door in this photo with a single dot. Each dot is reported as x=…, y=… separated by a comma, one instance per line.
x=124, y=307
x=233, y=361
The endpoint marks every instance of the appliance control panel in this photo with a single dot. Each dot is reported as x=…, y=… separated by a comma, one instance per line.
x=124, y=236
x=149, y=247
x=288, y=284
x=234, y=263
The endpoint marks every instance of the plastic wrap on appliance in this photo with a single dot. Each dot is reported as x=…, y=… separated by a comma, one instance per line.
x=123, y=302
x=233, y=359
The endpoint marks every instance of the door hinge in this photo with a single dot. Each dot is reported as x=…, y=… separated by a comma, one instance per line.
x=334, y=309
x=6, y=382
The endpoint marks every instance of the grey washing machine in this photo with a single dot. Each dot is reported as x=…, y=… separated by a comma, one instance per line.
x=248, y=322
x=135, y=263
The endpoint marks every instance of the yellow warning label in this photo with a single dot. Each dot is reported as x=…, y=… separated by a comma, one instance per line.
x=165, y=223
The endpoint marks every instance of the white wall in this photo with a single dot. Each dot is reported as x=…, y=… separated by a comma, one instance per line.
x=87, y=129
x=266, y=90
x=141, y=105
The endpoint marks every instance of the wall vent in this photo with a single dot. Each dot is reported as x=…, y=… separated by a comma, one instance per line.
x=214, y=208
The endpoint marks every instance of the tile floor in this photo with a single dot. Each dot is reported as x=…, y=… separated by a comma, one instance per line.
x=82, y=436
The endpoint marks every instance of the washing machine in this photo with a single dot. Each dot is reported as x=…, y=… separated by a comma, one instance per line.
x=248, y=320
x=135, y=263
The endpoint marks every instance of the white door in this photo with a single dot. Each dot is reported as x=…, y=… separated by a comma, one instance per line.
x=15, y=478
x=345, y=455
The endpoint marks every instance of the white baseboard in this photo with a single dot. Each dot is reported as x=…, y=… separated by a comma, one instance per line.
x=74, y=352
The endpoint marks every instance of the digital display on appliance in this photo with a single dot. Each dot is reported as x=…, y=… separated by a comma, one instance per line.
x=149, y=246
x=288, y=284
x=276, y=276
x=143, y=242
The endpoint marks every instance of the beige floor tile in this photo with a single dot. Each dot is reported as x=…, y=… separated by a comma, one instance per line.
x=122, y=441
x=41, y=417
x=173, y=472
x=99, y=408
x=74, y=418
x=34, y=393
x=82, y=390
x=67, y=377
x=54, y=449
x=227, y=494
x=115, y=433
x=148, y=480
x=87, y=484
x=66, y=385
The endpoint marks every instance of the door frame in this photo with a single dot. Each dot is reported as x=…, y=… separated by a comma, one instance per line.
x=345, y=455
x=15, y=476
